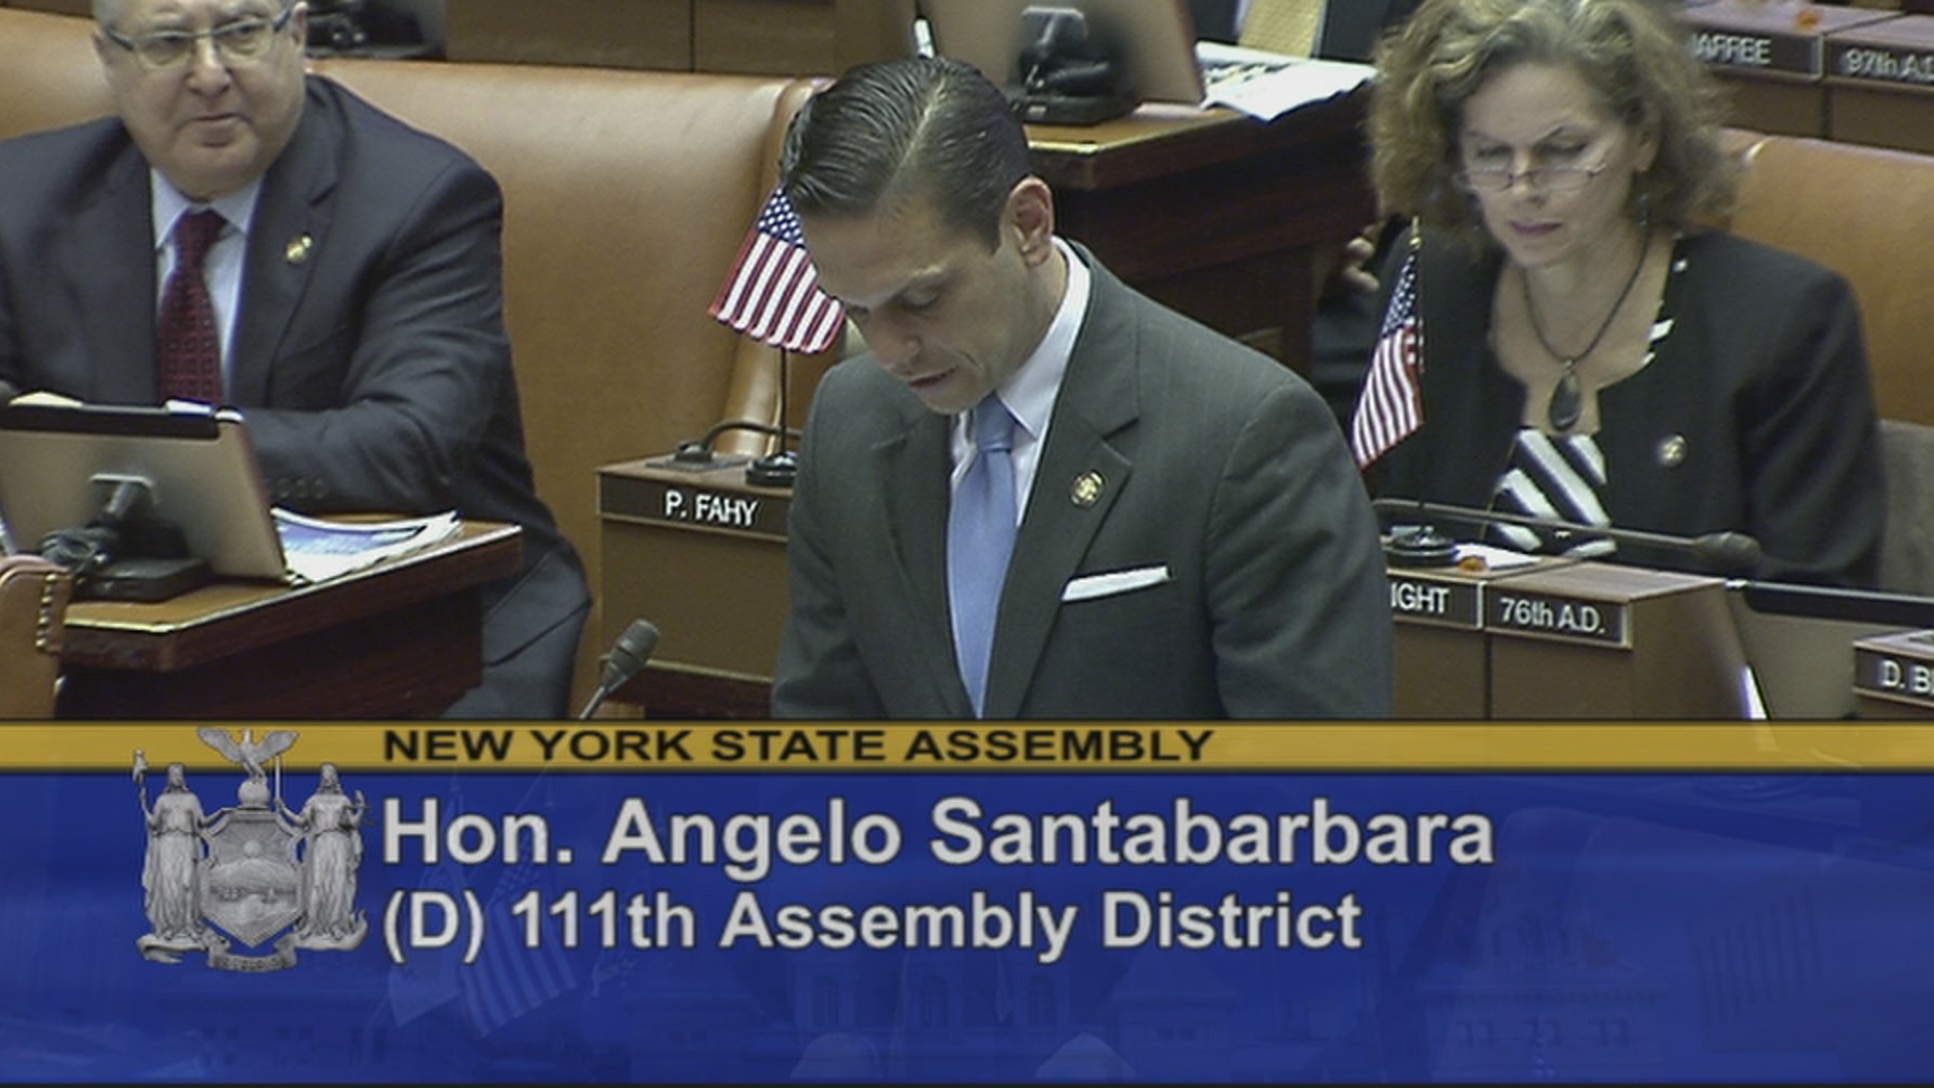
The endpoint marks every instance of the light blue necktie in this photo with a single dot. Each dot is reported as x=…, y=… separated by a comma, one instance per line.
x=980, y=537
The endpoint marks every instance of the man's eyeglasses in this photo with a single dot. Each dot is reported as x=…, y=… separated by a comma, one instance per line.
x=1544, y=179
x=238, y=42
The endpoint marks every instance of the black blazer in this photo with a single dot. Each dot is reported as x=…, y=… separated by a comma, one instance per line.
x=1755, y=415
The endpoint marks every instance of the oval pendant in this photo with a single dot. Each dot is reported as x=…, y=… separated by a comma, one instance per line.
x=1567, y=403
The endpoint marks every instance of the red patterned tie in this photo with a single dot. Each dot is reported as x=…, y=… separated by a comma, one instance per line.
x=188, y=346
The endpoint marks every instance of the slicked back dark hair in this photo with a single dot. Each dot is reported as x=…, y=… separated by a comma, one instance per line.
x=893, y=130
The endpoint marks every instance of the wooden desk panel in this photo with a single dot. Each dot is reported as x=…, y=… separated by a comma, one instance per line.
x=1772, y=57
x=711, y=577
x=1878, y=84
x=654, y=34
x=1225, y=218
x=399, y=639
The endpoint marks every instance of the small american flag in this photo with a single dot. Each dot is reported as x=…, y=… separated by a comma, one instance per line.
x=1391, y=406
x=772, y=292
x=510, y=978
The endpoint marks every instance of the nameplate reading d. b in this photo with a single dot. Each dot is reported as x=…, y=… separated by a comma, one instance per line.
x=1898, y=667
x=1557, y=616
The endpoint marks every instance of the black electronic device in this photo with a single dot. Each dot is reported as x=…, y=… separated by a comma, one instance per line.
x=140, y=502
x=1149, y=43
x=1065, y=74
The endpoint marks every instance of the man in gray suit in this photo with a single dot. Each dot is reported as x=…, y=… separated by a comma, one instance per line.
x=354, y=283
x=1193, y=540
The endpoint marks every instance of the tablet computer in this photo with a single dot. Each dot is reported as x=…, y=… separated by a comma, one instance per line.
x=58, y=463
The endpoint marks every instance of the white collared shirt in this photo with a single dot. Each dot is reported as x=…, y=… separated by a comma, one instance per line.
x=221, y=266
x=1029, y=393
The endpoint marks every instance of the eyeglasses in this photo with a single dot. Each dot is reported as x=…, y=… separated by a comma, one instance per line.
x=242, y=41
x=1545, y=179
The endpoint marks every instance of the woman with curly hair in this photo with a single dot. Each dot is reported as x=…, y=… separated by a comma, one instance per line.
x=1592, y=351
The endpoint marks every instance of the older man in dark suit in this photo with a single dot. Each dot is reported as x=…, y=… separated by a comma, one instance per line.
x=348, y=298
x=1041, y=494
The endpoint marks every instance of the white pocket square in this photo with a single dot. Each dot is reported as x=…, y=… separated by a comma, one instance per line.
x=1088, y=587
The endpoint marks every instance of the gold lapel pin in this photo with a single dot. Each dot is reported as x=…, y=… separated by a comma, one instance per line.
x=1672, y=450
x=1087, y=489
x=298, y=249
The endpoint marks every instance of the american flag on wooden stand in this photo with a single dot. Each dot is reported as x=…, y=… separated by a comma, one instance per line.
x=511, y=977
x=772, y=292
x=1391, y=408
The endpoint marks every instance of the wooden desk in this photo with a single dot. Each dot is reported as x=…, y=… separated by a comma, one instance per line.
x=1773, y=59
x=398, y=639
x=701, y=554
x=1561, y=639
x=1225, y=218
x=753, y=37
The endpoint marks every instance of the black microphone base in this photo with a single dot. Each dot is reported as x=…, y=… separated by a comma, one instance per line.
x=773, y=470
x=1419, y=546
x=145, y=579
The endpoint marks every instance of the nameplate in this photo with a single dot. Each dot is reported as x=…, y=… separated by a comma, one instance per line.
x=692, y=506
x=1897, y=53
x=1557, y=616
x=1446, y=604
x=1897, y=667
x=1786, y=40
x=1793, y=54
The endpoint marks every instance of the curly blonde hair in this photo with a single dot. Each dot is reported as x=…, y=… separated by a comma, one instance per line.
x=1632, y=53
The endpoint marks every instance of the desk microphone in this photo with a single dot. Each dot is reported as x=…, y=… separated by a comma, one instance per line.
x=627, y=657
x=1726, y=550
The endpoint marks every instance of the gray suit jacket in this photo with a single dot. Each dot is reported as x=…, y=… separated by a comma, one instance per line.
x=1223, y=479
x=369, y=354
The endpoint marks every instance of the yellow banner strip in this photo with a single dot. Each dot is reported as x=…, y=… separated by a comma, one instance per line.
x=828, y=746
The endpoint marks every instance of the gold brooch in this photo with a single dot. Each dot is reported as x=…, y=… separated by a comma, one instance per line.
x=1087, y=489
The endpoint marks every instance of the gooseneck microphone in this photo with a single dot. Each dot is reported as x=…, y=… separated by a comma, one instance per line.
x=628, y=655
x=1730, y=551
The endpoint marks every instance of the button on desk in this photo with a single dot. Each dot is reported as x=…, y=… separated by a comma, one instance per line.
x=398, y=639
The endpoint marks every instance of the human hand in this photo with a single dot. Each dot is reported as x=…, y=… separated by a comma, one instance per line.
x=1352, y=269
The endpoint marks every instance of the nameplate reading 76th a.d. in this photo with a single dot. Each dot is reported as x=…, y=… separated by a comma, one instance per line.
x=1558, y=616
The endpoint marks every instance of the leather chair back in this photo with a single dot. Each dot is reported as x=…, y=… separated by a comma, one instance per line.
x=33, y=610
x=1867, y=213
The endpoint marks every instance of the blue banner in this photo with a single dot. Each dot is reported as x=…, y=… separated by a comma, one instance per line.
x=257, y=917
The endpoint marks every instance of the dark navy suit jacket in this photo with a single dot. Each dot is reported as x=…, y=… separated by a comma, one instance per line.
x=369, y=356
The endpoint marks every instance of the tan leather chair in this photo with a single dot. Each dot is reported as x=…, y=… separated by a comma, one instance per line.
x=33, y=610
x=1866, y=212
